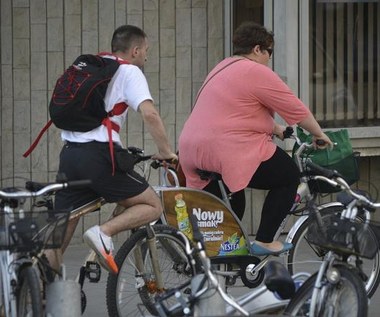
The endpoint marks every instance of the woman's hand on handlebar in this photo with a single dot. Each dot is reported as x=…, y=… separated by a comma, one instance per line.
x=168, y=157
x=322, y=141
x=278, y=130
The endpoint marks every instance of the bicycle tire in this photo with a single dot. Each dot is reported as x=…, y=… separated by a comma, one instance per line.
x=346, y=298
x=29, y=299
x=129, y=294
x=305, y=257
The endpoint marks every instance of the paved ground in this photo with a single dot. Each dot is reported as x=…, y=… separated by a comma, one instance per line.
x=96, y=305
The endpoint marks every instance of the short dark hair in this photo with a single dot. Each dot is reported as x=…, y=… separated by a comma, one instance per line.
x=125, y=37
x=248, y=35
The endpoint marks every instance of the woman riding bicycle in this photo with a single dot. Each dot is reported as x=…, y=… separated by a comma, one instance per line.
x=231, y=126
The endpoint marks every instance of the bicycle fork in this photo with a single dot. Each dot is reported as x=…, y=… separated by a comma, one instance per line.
x=153, y=254
x=325, y=270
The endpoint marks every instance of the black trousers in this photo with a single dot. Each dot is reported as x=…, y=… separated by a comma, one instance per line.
x=281, y=177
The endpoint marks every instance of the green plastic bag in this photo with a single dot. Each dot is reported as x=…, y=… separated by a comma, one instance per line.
x=328, y=156
x=341, y=158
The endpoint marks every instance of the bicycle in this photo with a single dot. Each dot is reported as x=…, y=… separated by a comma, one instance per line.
x=337, y=289
x=23, y=234
x=238, y=263
x=208, y=297
x=342, y=236
x=307, y=257
x=295, y=260
x=159, y=250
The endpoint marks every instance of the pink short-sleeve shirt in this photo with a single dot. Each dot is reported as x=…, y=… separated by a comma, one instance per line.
x=230, y=128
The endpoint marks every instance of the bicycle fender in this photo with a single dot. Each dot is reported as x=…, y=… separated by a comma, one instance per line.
x=302, y=219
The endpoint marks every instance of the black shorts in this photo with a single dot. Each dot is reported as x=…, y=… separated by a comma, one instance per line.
x=93, y=161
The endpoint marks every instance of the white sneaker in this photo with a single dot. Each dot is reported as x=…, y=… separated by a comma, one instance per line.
x=103, y=246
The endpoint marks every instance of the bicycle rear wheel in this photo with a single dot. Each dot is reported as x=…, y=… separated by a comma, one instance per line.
x=346, y=298
x=306, y=257
x=29, y=299
x=131, y=293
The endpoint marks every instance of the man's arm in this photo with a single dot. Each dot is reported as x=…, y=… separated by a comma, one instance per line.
x=156, y=128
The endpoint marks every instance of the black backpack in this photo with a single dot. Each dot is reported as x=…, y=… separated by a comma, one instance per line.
x=77, y=102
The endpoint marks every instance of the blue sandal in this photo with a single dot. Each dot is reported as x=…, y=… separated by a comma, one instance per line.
x=260, y=250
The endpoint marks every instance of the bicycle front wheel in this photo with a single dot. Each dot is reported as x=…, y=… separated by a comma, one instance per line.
x=346, y=298
x=131, y=292
x=29, y=299
x=306, y=257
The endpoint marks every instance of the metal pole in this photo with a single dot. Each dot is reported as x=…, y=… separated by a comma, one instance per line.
x=210, y=302
x=63, y=299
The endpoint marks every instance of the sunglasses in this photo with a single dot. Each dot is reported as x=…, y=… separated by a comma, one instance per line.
x=270, y=51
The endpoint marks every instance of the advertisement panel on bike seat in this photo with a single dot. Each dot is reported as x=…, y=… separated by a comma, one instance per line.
x=222, y=233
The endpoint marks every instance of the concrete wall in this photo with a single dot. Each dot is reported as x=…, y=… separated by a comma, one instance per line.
x=40, y=38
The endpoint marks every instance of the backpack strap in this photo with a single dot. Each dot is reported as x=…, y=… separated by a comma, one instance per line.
x=34, y=144
x=117, y=109
x=118, y=59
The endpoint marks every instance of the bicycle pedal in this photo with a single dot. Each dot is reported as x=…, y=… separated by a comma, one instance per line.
x=93, y=271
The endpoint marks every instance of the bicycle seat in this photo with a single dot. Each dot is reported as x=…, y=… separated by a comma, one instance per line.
x=207, y=175
x=278, y=279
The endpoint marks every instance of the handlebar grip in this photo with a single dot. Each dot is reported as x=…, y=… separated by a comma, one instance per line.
x=79, y=183
x=159, y=163
x=155, y=164
x=319, y=170
x=142, y=158
x=320, y=142
x=288, y=132
x=135, y=150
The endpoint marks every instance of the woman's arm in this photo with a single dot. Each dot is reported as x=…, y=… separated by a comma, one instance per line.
x=313, y=127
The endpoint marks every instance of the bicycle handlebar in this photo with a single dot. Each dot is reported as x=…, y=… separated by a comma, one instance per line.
x=137, y=153
x=339, y=181
x=332, y=177
x=46, y=189
x=322, y=170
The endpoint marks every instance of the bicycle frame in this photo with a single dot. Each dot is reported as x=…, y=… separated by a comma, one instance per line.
x=9, y=264
x=9, y=303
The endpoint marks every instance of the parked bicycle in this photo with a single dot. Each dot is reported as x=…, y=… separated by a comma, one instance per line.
x=337, y=288
x=306, y=257
x=208, y=297
x=23, y=234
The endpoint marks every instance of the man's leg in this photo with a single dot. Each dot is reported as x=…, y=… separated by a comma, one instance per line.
x=55, y=256
x=139, y=210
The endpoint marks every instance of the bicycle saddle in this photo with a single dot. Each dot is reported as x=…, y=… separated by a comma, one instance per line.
x=278, y=279
x=207, y=175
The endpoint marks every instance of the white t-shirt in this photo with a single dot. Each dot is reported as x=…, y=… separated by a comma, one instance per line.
x=128, y=85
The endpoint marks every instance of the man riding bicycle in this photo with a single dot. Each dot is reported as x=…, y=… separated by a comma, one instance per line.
x=86, y=155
